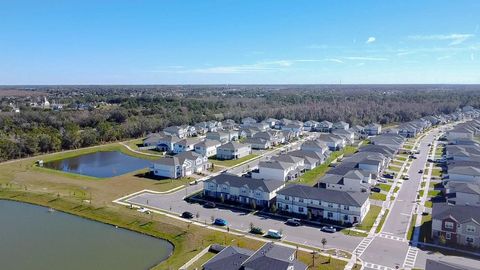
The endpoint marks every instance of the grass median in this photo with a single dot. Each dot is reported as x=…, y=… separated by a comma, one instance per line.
x=370, y=218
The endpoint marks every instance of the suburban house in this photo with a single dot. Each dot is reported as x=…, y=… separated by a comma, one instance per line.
x=220, y=136
x=295, y=128
x=178, y=131
x=269, y=257
x=248, y=132
x=262, y=126
x=387, y=151
x=242, y=190
x=373, y=129
x=348, y=135
x=207, y=147
x=372, y=162
x=310, y=125
x=258, y=143
x=233, y=150
x=187, y=144
x=314, y=145
x=276, y=170
x=324, y=204
x=324, y=126
x=275, y=137
x=333, y=142
x=341, y=125
x=312, y=158
x=456, y=224
x=181, y=165
x=459, y=193
x=392, y=140
x=166, y=143
x=152, y=140
x=248, y=121
x=228, y=124
x=467, y=174
x=201, y=128
x=354, y=180
x=271, y=122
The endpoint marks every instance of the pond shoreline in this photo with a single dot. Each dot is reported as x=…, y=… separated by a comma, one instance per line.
x=29, y=199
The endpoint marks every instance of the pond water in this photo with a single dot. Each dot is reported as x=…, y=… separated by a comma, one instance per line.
x=99, y=164
x=31, y=237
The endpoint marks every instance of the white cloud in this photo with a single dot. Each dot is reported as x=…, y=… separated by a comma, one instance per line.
x=365, y=58
x=335, y=60
x=454, y=39
x=370, y=40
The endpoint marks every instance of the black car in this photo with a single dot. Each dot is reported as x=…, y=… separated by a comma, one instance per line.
x=293, y=222
x=187, y=215
x=209, y=205
x=375, y=189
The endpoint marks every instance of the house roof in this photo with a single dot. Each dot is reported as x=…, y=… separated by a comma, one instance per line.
x=271, y=256
x=452, y=263
x=230, y=258
x=470, y=188
x=303, y=153
x=188, y=155
x=233, y=146
x=464, y=170
x=208, y=143
x=275, y=165
x=327, y=195
x=266, y=185
x=287, y=158
x=460, y=213
x=168, y=161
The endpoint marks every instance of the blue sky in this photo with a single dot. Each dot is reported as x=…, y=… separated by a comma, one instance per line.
x=239, y=41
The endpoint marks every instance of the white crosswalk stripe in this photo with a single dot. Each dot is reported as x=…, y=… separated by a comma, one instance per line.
x=376, y=266
x=363, y=245
x=411, y=257
x=392, y=237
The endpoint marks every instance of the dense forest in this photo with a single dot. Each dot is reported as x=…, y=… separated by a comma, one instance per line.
x=133, y=111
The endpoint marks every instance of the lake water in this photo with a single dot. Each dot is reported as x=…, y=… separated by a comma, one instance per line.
x=33, y=238
x=100, y=164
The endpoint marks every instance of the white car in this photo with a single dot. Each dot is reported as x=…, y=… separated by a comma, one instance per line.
x=329, y=229
x=274, y=234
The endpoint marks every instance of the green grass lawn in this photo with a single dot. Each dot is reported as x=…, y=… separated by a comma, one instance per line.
x=369, y=219
x=421, y=192
x=198, y=264
x=134, y=144
x=384, y=187
x=422, y=185
x=232, y=162
x=437, y=172
x=394, y=169
x=434, y=193
x=401, y=157
x=354, y=233
x=311, y=177
x=378, y=196
x=382, y=221
x=396, y=189
x=411, y=227
x=428, y=204
x=398, y=163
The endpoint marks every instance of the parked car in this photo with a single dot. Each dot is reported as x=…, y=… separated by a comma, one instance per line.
x=429, y=144
x=429, y=160
x=220, y=222
x=329, y=229
x=420, y=171
x=382, y=180
x=387, y=175
x=293, y=222
x=187, y=214
x=375, y=189
x=256, y=230
x=209, y=205
x=274, y=234
x=405, y=177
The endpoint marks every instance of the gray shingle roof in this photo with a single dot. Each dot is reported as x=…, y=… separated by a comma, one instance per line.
x=460, y=213
x=230, y=258
x=252, y=183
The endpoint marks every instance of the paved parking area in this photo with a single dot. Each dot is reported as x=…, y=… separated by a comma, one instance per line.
x=240, y=220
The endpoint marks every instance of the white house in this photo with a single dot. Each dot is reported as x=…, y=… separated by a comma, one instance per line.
x=181, y=165
x=207, y=147
x=276, y=170
x=373, y=129
x=341, y=125
x=324, y=204
x=233, y=150
x=187, y=144
x=354, y=180
x=242, y=190
x=220, y=136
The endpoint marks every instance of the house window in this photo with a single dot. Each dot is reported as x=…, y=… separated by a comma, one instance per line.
x=469, y=240
x=448, y=225
x=287, y=198
x=345, y=217
x=300, y=209
x=470, y=228
x=329, y=214
x=330, y=205
x=448, y=236
x=286, y=206
x=346, y=207
x=300, y=200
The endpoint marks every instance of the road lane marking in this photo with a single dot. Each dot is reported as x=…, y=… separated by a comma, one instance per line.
x=410, y=257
